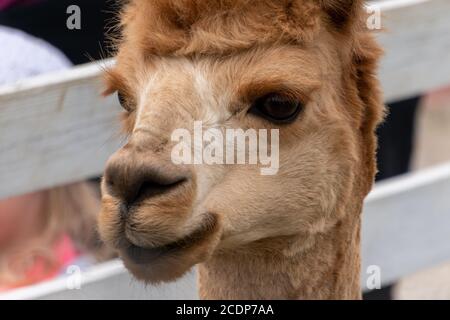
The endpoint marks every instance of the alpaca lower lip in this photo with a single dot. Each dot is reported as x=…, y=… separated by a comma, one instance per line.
x=144, y=255
x=140, y=255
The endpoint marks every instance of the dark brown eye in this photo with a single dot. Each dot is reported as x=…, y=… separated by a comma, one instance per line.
x=123, y=101
x=277, y=108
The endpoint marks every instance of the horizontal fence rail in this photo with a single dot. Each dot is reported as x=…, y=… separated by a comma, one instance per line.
x=54, y=130
x=108, y=280
x=416, y=39
x=406, y=224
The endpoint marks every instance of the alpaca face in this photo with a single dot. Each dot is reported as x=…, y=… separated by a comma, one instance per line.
x=165, y=217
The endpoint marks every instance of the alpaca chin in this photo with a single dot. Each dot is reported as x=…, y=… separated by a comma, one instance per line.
x=172, y=261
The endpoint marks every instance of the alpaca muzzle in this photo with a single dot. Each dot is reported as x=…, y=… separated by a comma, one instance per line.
x=147, y=215
x=132, y=181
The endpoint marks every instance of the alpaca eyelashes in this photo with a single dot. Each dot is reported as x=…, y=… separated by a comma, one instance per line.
x=123, y=101
x=274, y=107
x=277, y=108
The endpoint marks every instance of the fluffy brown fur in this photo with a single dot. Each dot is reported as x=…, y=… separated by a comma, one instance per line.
x=294, y=235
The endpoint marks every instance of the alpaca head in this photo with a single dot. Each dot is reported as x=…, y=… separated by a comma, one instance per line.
x=304, y=67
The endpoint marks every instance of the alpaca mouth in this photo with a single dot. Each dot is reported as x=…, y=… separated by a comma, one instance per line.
x=142, y=255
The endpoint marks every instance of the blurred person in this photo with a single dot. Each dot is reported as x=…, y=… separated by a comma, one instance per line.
x=43, y=232
x=26, y=56
x=47, y=20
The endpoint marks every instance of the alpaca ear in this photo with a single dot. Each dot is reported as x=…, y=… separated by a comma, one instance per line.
x=342, y=13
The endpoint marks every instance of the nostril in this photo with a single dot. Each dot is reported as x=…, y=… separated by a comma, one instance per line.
x=124, y=209
x=132, y=183
x=109, y=182
x=147, y=189
x=111, y=179
x=153, y=188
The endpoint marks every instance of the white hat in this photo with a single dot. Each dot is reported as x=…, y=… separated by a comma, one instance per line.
x=23, y=56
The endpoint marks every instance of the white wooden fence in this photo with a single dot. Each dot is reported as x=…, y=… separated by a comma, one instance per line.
x=68, y=130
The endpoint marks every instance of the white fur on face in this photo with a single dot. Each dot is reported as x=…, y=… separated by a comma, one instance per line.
x=143, y=99
x=189, y=87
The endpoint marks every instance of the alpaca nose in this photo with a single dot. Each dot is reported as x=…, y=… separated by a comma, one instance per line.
x=132, y=181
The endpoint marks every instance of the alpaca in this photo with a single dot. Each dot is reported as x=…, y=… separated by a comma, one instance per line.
x=304, y=67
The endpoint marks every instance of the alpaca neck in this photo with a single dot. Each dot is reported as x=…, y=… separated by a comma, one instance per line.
x=328, y=269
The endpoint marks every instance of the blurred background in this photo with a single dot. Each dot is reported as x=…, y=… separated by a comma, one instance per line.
x=44, y=232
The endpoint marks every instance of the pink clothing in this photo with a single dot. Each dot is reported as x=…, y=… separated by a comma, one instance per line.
x=64, y=252
x=4, y=4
